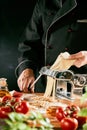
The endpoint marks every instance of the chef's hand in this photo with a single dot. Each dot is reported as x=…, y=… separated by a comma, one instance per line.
x=25, y=79
x=80, y=58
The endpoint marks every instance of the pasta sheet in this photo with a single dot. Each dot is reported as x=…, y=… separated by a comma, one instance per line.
x=62, y=63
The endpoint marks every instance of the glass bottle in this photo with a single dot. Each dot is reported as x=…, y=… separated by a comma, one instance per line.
x=4, y=87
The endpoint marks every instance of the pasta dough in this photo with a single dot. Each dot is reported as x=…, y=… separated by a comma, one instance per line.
x=62, y=63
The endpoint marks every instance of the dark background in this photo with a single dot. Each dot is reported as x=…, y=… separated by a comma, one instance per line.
x=14, y=16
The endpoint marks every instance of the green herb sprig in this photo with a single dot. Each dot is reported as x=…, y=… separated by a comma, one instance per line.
x=83, y=111
x=17, y=121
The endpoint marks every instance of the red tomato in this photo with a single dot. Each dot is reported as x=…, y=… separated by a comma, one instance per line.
x=22, y=107
x=81, y=120
x=4, y=110
x=72, y=110
x=17, y=94
x=3, y=114
x=69, y=123
x=15, y=100
x=60, y=113
x=6, y=99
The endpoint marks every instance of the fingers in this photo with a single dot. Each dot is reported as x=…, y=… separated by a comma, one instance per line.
x=80, y=62
x=78, y=55
x=30, y=82
x=25, y=79
x=24, y=83
x=80, y=58
x=32, y=90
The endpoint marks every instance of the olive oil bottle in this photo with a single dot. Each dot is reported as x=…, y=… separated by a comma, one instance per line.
x=4, y=87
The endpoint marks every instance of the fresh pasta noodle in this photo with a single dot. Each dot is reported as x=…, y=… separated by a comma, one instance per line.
x=62, y=63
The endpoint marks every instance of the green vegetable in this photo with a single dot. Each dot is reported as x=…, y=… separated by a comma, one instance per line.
x=84, y=97
x=85, y=126
x=83, y=111
x=18, y=121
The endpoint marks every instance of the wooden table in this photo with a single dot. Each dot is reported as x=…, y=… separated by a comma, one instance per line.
x=53, y=120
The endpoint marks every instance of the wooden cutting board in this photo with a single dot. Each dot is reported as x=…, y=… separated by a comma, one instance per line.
x=38, y=103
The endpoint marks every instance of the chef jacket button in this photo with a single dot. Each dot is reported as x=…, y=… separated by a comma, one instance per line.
x=70, y=30
x=48, y=65
x=51, y=13
x=49, y=47
x=66, y=48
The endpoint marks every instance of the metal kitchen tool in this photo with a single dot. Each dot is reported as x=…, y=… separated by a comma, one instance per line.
x=77, y=81
x=55, y=74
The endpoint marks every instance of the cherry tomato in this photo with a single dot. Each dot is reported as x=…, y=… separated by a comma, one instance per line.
x=4, y=110
x=6, y=99
x=60, y=113
x=22, y=107
x=15, y=100
x=69, y=123
x=3, y=114
x=81, y=120
x=17, y=94
x=72, y=110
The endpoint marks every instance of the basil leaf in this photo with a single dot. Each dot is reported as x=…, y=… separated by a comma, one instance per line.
x=85, y=126
x=83, y=112
x=84, y=97
x=18, y=121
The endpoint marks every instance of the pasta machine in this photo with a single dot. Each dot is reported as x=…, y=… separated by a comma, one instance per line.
x=65, y=79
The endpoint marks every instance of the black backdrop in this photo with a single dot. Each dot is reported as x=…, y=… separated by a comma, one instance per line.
x=14, y=16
